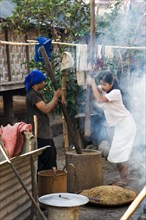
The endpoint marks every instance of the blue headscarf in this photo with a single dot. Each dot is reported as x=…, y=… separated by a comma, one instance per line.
x=34, y=77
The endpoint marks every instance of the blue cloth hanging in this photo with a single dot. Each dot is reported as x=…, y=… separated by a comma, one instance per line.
x=46, y=42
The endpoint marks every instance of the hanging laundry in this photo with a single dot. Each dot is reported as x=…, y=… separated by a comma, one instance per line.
x=81, y=57
x=67, y=61
x=81, y=78
x=81, y=62
x=109, y=52
x=12, y=137
x=125, y=6
x=43, y=41
x=99, y=51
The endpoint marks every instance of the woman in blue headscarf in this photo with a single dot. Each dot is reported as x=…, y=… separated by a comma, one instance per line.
x=35, y=105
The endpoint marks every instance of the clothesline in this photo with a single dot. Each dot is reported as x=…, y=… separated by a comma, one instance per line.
x=33, y=42
x=54, y=42
x=16, y=43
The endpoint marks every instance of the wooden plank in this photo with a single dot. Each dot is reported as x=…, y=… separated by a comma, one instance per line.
x=34, y=153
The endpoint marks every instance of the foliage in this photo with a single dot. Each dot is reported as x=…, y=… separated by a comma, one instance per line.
x=121, y=27
x=46, y=14
x=66, y=19
x=72, y=89
x=71, y=21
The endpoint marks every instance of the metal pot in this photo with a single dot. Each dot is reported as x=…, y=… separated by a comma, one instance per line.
x=63, y=205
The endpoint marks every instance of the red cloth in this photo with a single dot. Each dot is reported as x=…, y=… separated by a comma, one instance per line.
x=12, y=137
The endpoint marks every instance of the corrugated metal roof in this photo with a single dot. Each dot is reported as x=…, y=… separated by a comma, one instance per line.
x=6, y=8
x=14, y=201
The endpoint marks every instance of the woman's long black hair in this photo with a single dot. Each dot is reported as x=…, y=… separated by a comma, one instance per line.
x=108, y=77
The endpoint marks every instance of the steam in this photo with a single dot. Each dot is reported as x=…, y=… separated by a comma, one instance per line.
x=125, y=27
x=127, y=30
x=138, y=107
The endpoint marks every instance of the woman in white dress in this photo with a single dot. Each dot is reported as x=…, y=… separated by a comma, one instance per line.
x=117, y=116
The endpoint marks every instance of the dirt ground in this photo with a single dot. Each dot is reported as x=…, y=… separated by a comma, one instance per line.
x=86, y=212
x=109, y=173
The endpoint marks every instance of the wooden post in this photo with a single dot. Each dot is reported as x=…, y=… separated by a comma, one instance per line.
x=8, y=106
x=35, y=126
x=62, y=105
x=27, y=54
x=91, y=62
x=65, y=129
x=8, y=56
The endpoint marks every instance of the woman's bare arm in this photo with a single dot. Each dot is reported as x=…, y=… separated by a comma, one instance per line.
x=49, y=107
x=97, y=94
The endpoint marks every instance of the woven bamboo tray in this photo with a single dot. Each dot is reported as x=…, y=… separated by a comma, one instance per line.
x=109, y=195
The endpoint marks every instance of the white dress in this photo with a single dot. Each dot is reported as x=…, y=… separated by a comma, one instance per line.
x=118, y=116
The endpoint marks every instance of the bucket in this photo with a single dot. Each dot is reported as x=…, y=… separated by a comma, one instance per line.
x=71, y=213
x=50, y=181
x=84, y=171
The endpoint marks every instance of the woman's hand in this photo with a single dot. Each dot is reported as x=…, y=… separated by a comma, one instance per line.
x=57, y=93
x=56, y=96
x=90, y=80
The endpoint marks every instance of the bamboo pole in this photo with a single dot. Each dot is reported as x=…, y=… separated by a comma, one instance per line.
x=91, y=62
x=33, y=42
x=62, y=105
x=134, y=204
x=35, y=126
x=27, y=55
x=17, y=43
x=8, y=56
x=65, y=129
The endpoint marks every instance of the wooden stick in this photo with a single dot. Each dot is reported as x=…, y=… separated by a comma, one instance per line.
x=62, y=105
x=22, y=183
x=35, y=120
x=17, y=43
x=55, y=42
x=67, y=44
x=91, y=61
x=134, y=204
x=65, y=129
x=33, y=42
x=35, y=126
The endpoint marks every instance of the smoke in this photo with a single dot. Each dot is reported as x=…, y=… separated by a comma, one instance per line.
x=126, y=28
x=138, y=108
x=122, y=27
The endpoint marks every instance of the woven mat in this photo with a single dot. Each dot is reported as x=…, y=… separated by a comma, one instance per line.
x=109, y=195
